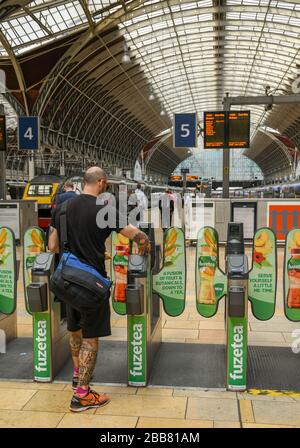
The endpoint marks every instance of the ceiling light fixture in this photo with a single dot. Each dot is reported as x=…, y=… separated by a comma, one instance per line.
x=126, y=58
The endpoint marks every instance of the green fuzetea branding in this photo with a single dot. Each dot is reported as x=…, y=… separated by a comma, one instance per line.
x=137, y=362
x=237, y=353
x=42, y=347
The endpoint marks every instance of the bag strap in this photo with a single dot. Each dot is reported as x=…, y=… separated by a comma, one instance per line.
x=63, y=237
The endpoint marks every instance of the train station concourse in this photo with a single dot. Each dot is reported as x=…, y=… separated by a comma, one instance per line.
x=149, y=214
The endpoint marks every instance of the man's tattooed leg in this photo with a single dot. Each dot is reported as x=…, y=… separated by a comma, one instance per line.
x=87, y=361
x=75, y=344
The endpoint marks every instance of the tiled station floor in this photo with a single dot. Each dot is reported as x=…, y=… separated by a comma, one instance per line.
x=26, y=404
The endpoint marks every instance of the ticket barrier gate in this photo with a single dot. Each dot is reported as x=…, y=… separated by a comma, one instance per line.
x=50, y=338
x=8, y=287
x=141, y=305
x=238, y=285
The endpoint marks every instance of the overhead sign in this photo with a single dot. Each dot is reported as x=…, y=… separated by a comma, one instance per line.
x=226, y=129
x=185, y=130
x=29, y=133
x=2, y=133
x=214, y=129
x=238, y=129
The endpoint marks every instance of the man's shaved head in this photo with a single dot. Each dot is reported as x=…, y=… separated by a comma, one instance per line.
x=94, y=174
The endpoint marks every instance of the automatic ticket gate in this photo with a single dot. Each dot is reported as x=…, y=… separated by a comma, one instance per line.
x=8, y=287
x=50, y=337
x=142, y=284
x=42, y=357
x=238, y=285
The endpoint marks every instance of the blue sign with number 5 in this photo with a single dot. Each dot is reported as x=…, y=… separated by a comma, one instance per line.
x=185, y=131
x=29, y=133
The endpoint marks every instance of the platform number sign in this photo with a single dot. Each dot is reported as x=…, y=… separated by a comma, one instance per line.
x=185, y=130
x=29, y=133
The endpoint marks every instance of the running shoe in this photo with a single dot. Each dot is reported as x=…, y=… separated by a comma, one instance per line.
x=90, y=401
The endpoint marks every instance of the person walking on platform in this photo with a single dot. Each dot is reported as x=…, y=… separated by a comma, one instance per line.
x=142, y=202
x=86, y=240
x=68, y=193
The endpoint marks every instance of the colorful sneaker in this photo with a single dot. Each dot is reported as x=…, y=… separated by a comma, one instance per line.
x=91, y=400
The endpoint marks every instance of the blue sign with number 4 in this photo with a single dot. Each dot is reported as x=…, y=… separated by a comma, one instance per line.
x=185, y=131
x=29, y=133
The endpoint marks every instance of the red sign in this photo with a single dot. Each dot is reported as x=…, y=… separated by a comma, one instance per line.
x=283, y=217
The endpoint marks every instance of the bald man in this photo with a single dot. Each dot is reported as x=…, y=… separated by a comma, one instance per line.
x=87, y=241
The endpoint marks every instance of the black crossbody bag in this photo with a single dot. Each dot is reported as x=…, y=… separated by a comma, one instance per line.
x=75, y=282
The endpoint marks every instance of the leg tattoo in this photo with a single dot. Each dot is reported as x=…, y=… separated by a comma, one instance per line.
x=75, y=344
x=87, y=360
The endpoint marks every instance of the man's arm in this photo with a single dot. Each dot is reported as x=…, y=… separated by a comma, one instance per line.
x=53, y=241
x=139, y=237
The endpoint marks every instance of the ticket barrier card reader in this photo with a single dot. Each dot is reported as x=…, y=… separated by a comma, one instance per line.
x=137, y=268
x=38, y=291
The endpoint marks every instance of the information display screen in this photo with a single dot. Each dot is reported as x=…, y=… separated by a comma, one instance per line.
x=214, y=129
x=238, y=129
x=245, y=212
x=229, y=129
x=2, y=133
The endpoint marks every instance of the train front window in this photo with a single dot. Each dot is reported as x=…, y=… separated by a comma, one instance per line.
x=40, y=190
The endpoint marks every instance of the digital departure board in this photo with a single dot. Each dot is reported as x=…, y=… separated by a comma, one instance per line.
x=2, y=133
x=238, y=129
x=214, y=129
x=227, y=129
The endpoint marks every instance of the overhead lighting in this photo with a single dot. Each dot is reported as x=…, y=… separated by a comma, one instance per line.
x=162, y=113
x=151, y=97
x=126, y=58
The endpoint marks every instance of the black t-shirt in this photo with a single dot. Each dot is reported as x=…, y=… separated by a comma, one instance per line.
x=85, y=239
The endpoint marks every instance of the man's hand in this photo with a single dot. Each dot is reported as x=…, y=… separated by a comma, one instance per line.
x=143, y=243
x=139, y=237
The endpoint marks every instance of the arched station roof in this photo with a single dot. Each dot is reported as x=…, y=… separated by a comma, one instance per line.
x=187, y=53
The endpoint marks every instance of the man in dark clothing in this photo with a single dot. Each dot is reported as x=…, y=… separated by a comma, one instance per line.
x=68, y=193
x=86, y=240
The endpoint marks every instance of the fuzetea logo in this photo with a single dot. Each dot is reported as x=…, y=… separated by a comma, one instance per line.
x=238, y=353
x=41, y=340
x=137, y=344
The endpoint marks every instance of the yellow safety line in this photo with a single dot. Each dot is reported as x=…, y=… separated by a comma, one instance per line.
x=246, y=411
x=274, y=393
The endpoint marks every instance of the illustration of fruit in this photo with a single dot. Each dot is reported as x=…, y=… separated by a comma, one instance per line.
x=3, y=236
x=258, y=257
x=122, y=239
x=171, y=238
x=261, y=239
x=170, y=251
x=3, y=246
x=38, y=243
x=296, y=238
x=209, y=237
x=262, y=246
